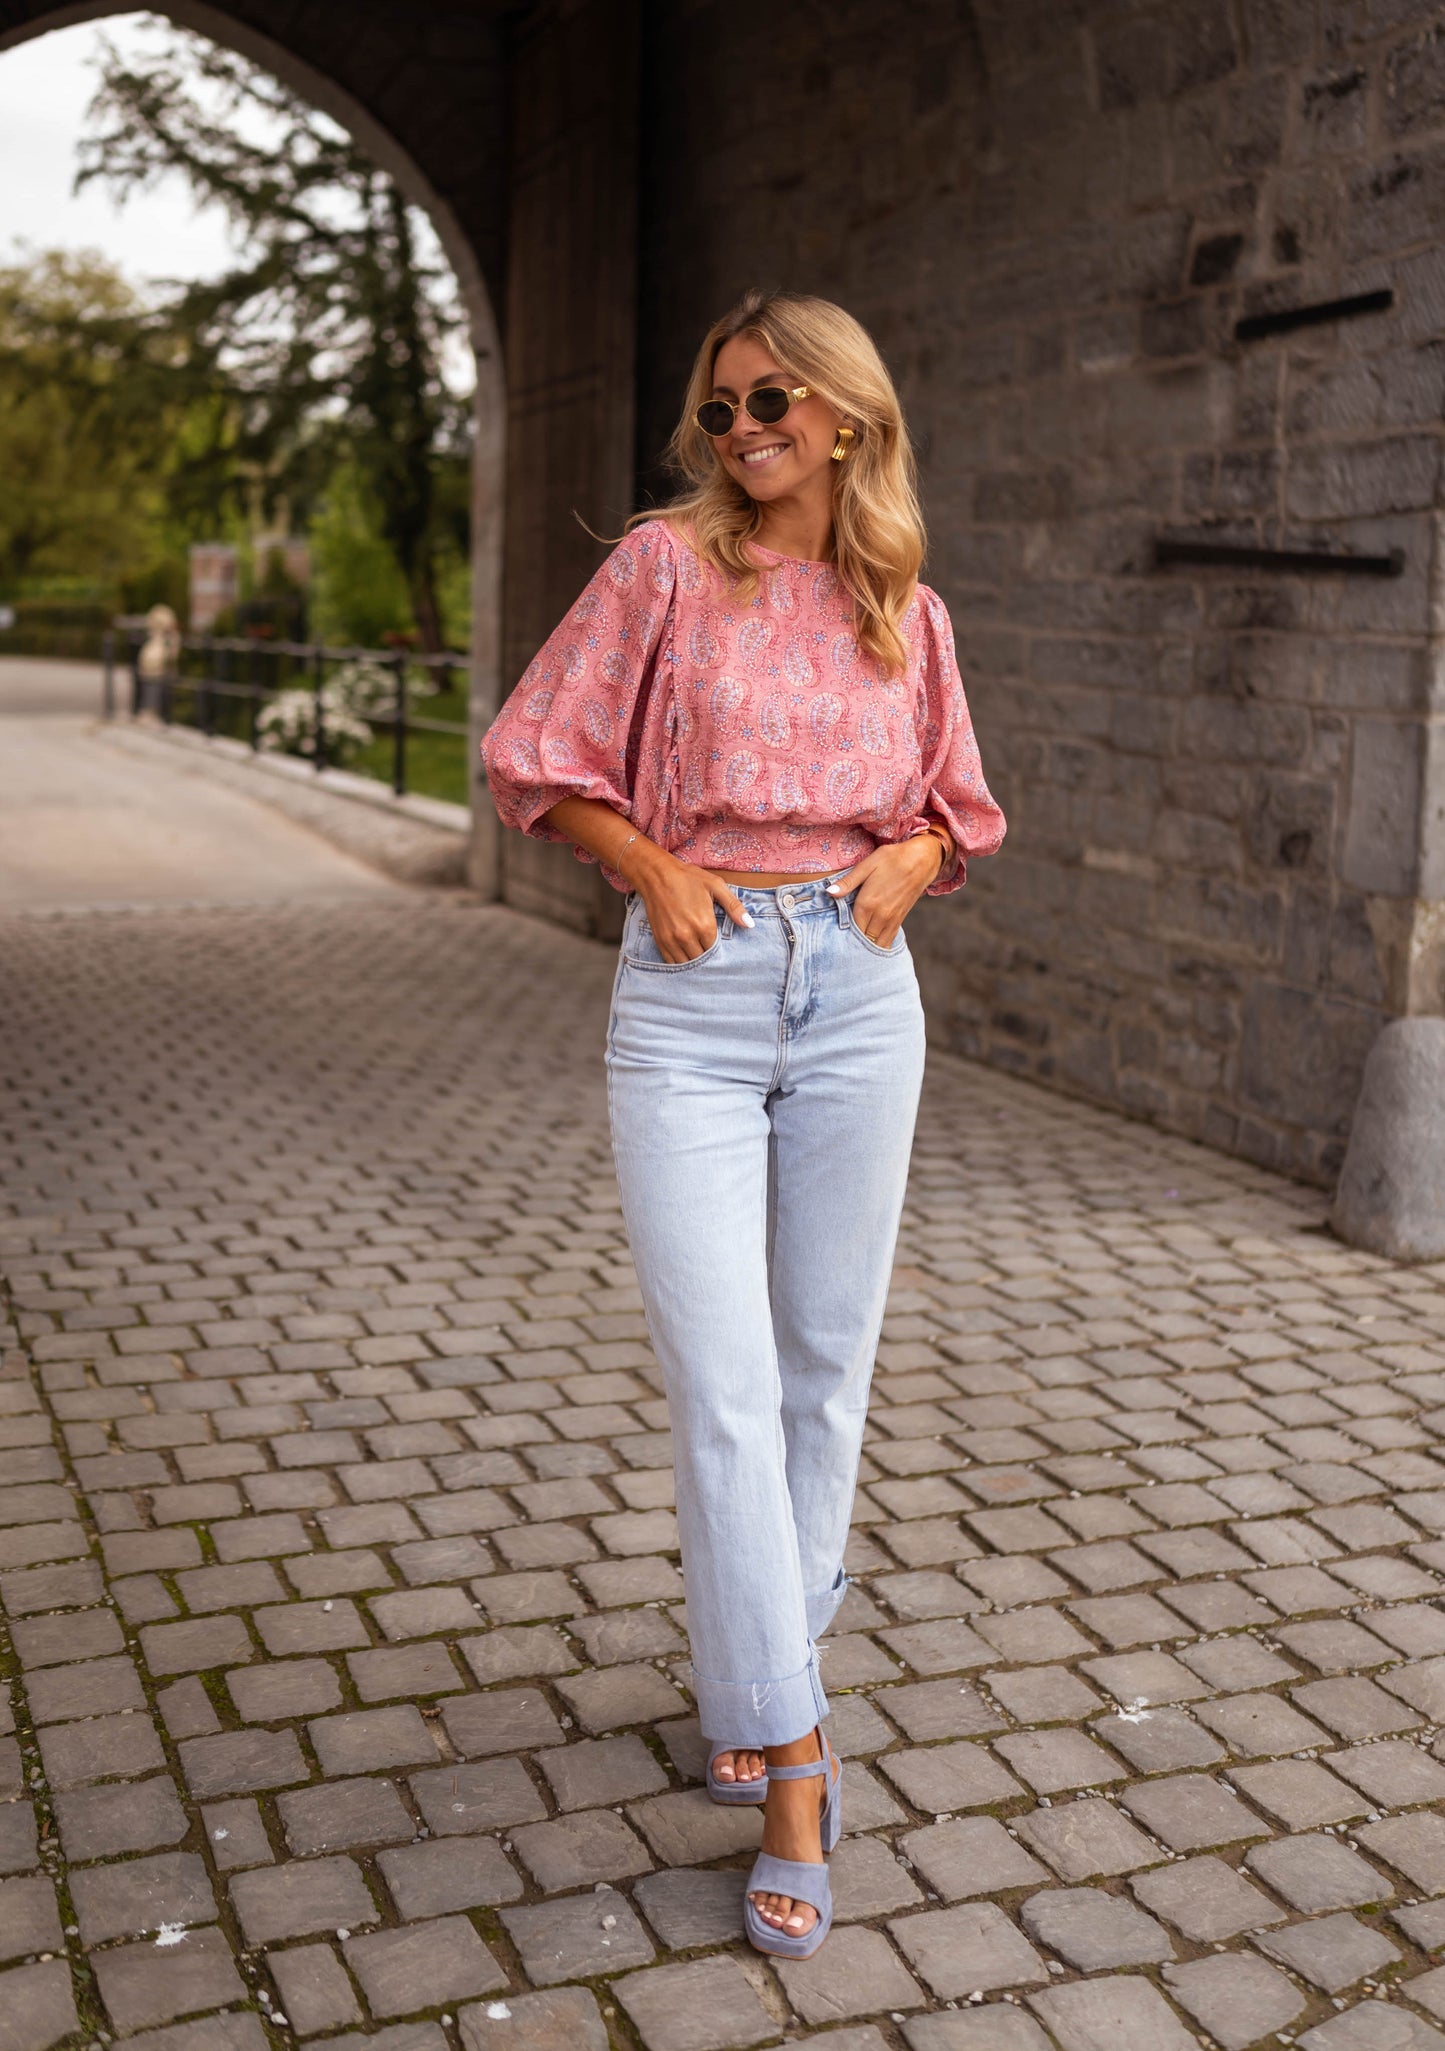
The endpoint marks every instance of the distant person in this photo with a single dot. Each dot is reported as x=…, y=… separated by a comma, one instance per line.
x=753, y=719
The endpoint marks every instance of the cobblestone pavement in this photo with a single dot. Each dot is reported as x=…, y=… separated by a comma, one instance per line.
x=344, y=1631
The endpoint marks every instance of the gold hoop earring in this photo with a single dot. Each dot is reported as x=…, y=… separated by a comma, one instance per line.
x=843, y=443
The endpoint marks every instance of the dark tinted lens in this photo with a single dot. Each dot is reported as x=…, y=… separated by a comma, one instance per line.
x=715, y=417
x=767, y=406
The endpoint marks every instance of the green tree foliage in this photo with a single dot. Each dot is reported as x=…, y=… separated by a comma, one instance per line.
x=102, y=409
x=334, y=320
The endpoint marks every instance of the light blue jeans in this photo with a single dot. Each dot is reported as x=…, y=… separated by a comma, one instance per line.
x=763, y=1099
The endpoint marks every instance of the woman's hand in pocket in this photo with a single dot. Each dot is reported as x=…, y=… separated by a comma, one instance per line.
x=679, y=901
x=889, y=882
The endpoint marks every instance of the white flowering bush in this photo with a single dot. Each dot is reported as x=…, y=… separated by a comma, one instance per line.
x=354, y=695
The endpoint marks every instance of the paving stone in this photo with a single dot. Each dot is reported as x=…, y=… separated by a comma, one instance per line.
x=105, y=1822
x=1423, y=1923
x=1373, y=2026
x=141, y=1985
x=939, y=1648
x=688, y=1908
x=1393, y=1773
x=996, y=2027
x=241, y=1762
x=236, y=1836
x=461, y=1800
x=704, y=2006
x=343, y=1814
x=99, y=1687
x=434, y=1879
x=861, y=1974
x=410, y=1670
x=1192, y=1813
x=1332, y=1952
x=926, y=1710
x=1206, y=1900
x=289, y=1687
x=1046, y=1694
x=141, y=1894
x=574, y=1938
x=1237, y=1663
x=1260, y=1726
x=1054, y=1760
x=1093, y=1930
x=28, y=1919
x=1414, y=1844
x=1085, y=1839
x=39, y=2007
x=1237, y=2000
x=314, y=1989
x=602, y=1770
x=102, y=1748
x=367, y=1740
x=18, y=1842
x=422, y=1965
x=302, y=1900
x=1298, y=1793
x=1353, y=1708
x=1121, y=2013
x=961, y=1950
x=1159, y=1740
x=580, y=1849
x=564, y=2019
x=868, y=1881
x=1318, y=1872
x=604, y=1700
x=941, y=1778
x=1422, y=1685
x=1428, y=1990
x=973, y=1855
x=503, y=1720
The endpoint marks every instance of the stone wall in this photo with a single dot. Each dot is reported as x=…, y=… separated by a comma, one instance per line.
x=1051, y=213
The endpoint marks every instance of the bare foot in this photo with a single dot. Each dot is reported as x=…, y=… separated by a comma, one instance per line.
x=738, y=1768
x=792, y=1830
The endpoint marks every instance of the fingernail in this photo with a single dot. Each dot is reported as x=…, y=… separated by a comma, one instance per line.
x=833, y=889
x=748, y=919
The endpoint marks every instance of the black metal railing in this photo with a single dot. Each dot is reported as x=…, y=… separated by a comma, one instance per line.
x=225, y=685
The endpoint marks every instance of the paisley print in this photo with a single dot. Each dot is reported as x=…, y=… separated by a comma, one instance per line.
x=704, y=642
x=823, y=715
x=788, y=792
x=729, y=847
x=798, y=664
x=742, y=773
x=754, y=639
x=872, y=731
x=727, y=695
x=599, y=721
x=774, y=724
x=746, y=732
x=842, y=781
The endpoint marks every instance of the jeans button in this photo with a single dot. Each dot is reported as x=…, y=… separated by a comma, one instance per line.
x=787, y=900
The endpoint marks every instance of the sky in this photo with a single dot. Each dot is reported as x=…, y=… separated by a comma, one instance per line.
x=45, y=87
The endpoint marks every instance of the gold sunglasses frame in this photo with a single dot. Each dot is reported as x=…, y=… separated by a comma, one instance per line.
x=793, y=394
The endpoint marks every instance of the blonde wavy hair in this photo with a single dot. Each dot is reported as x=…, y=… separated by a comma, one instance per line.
x=878, y=537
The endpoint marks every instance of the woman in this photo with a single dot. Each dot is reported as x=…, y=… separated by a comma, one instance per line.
x=753, y=719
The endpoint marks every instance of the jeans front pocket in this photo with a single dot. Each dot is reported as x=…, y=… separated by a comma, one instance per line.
x=900, y=939
x=641, y=951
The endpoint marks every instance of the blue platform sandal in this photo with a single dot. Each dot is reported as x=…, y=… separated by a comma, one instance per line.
x=800, y=1880
x=733, y=1793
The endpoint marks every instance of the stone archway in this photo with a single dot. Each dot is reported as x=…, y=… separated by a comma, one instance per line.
x=330, y=96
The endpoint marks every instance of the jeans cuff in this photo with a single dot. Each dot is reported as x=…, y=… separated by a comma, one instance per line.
x=761, y=1712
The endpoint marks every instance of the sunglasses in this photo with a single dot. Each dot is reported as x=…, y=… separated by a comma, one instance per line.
x=767, y=406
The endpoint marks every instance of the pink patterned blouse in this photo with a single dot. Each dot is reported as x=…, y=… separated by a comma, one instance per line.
x=736, y=733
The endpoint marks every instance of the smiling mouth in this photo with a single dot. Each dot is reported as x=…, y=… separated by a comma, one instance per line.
x=764, y=455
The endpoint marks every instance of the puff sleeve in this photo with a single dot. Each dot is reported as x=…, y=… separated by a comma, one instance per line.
x=564, y=730
x=954, y=792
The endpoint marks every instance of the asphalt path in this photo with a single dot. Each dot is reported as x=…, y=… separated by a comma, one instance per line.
x=85, y=825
